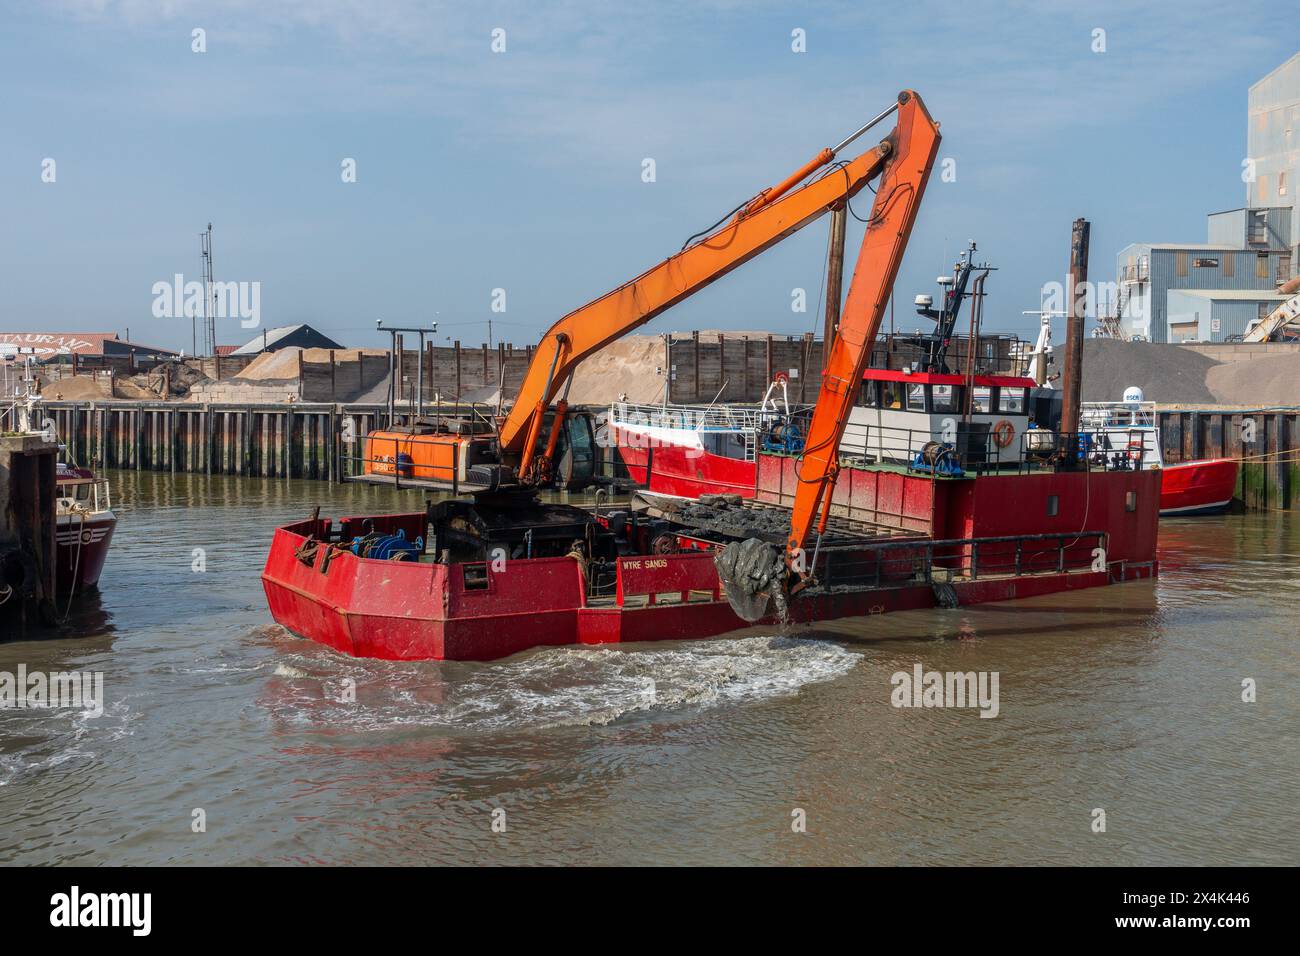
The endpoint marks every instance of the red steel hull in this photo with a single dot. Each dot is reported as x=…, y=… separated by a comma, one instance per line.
x=1190, y=488
x=1198, y=487
x=688, y=472
x=411, y=611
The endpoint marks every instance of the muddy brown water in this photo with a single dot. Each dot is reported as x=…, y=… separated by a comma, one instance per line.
x=1125, y=699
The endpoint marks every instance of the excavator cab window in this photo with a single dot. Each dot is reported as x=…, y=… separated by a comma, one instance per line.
x=582, y=450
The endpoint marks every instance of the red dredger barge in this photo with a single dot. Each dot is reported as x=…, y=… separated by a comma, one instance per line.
x=959, y=521
x=901, y=541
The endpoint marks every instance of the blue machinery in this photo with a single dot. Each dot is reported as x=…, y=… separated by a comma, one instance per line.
x=387, y=547
x=784, y=437
x=938, y=458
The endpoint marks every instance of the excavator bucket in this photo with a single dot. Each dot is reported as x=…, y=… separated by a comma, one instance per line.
x=755, y=577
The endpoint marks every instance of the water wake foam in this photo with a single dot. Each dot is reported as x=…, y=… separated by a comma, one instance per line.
x=550, y=688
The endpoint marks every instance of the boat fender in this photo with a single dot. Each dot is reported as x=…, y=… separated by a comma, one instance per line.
x=1003, y=433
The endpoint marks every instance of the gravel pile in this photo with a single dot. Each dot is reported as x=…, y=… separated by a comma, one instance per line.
x=1165, y=373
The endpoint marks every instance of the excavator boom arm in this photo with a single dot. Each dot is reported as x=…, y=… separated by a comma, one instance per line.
x=914, y=144
x=765, y=221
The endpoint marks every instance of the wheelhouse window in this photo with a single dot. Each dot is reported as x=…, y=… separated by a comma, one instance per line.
x=944, y=398
x=867, y=395
x=1011, y=401
x=915, y=397
x=981, y=400
x=891, y=395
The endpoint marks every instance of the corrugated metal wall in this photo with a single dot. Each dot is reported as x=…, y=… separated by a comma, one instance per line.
x=1272, y=140
x=1177, y=269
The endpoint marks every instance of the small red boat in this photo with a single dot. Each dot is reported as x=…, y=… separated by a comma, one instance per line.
x=1202, y=487
x=84, y=529
x=1128, y=429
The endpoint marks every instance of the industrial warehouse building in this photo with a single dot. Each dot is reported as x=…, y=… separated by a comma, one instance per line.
x=1213, y=291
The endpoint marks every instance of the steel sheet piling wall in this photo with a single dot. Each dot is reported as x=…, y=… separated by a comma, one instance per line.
x=1267, y=441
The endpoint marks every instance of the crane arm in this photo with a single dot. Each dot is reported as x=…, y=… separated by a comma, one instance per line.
x=1287, y=312
x=765, y=220
x=914, y=144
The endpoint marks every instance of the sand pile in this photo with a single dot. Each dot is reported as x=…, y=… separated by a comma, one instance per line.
x=80, y=388
x=1273, y=380
x=628, y=365
x=281, y=364
x=623, y=367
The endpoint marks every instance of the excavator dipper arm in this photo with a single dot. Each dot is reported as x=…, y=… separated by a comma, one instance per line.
x=914, y=144
x=764, y=221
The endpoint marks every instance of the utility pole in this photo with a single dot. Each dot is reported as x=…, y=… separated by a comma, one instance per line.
x=209, y=293
x=1075, y=308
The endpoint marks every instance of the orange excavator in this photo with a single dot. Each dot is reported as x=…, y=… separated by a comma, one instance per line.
x=750, y=569
x=524, y=459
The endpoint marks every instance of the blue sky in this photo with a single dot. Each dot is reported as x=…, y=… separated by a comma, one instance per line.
x=522, y=170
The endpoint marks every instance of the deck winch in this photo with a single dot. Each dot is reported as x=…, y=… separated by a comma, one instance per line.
x=387, y=547
x=938, y=458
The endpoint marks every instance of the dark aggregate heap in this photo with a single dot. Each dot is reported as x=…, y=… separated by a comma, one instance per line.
x=725, y=514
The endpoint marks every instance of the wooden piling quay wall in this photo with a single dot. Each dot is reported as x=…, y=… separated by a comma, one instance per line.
x=1266, y=440
x=271, y=441
x=315, y=441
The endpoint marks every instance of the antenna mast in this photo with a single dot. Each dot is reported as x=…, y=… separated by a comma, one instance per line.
x=209, y=294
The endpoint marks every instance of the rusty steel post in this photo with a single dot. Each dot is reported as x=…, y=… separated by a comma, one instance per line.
x=834, y=277
x=1075, y=306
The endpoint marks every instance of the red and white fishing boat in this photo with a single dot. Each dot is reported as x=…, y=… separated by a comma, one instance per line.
x=688, y=451
x=84, y=529
x=692, y=450
x=83, y=507
x=1128, y=429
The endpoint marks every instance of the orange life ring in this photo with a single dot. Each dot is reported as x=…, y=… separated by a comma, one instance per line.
x=1003, y=433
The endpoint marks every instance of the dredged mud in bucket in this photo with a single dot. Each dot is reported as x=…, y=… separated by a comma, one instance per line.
x=753, y=573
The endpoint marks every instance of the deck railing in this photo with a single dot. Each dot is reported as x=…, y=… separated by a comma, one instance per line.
x=900, y=563
x=735, y=418
x=978, y=453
